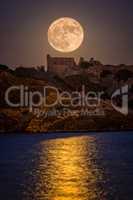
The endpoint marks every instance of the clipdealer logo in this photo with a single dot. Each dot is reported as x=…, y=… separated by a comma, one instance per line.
x=123, y=94
x=81, y=99
x=64, y=98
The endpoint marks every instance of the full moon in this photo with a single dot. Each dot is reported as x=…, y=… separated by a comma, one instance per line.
x=65, y=35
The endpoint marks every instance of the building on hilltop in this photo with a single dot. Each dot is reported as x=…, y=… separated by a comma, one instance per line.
x=63, y=67
x=60, y=65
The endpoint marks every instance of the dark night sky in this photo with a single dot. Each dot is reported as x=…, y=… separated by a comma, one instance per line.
x=23, y=30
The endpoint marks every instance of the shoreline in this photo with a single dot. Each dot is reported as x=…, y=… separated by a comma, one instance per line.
x=65, y=132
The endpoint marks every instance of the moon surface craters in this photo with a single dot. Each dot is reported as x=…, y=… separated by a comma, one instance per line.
x=65, y=35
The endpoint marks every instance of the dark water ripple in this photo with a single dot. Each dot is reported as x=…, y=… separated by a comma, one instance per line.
x=96, y=166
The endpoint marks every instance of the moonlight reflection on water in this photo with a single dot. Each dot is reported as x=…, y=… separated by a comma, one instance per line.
x=95, y=166
x=67, y=170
